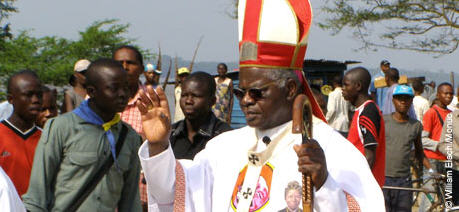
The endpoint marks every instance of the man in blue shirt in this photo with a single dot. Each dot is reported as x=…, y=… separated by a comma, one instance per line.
x=392, y=77
x=378, y=94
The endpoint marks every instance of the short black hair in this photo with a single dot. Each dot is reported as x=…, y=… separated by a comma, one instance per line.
x=203, y=77
x=138, y=55
x=17, y=74
x=46, y=89
x=385, y=62
x=393, y=74
x=92, y=75
x=315, y=87
x=72, y=80
x=338, y=80
x=444, y=84
x=361, y=75
x=224, y=65
x=418, y=86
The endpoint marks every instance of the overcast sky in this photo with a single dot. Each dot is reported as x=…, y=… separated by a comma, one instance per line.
x=178, y=24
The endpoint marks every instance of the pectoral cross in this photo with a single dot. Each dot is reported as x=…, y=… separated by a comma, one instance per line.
x=247, y=193
x=253, y=159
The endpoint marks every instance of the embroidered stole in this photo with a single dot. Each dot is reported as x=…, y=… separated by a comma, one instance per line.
x=255, y=163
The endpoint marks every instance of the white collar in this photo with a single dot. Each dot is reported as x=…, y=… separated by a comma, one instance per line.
x=277, y=136
x=363, y=105
x=20, y=131
x=273, y=132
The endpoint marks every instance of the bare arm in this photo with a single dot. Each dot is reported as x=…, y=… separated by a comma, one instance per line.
x=68, y=103
x=370, y=155
x=419, y=154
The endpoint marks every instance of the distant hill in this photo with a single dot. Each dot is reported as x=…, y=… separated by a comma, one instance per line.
x=437, y=77
x=211, y=68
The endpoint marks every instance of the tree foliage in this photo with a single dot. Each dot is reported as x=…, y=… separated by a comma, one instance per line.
x=6, y=8
x=429, y=26
x=232, y=12
x=53, y=57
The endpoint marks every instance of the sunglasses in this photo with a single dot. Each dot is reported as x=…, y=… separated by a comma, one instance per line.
x=254, y=93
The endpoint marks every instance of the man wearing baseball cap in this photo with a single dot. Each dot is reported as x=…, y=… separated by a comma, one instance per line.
x=385, y=63
x=74, y=96
x=392, y=77
x=182, y=73
x=152, y=74
x=402, y=132
x=378, y=94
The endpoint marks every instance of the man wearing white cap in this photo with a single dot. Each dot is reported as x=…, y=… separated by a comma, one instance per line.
x=249, y=169
x=74, y=96
x=152, y=74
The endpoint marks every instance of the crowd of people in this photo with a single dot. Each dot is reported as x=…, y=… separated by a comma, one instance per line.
x=407, y=123
x=114, y=144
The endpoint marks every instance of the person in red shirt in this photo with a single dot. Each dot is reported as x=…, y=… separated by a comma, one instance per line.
x=432, y=122
x=132, y=61
x=367, y=128
x=433, y=125
x=18, y=134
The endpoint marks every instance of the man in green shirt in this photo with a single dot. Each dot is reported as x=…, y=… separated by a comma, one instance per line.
x=74, y=146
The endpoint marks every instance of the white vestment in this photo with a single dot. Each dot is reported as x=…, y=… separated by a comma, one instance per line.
x=211, y=177
x=9, y=198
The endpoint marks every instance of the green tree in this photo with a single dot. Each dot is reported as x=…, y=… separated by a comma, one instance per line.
x=232, y=12
x=429, y=26
x=53, y=57
x=6, y=8
x=100, y=40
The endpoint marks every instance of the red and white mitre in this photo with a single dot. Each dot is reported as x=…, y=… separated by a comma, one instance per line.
x=273, y=33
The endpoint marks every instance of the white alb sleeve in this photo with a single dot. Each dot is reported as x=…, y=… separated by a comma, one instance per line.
x=159, y=172
x=330, y=197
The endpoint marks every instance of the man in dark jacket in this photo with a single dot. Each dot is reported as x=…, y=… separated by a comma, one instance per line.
x=190, y=135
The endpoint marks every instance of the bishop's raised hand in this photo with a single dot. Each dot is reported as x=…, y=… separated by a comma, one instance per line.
x=156, y=123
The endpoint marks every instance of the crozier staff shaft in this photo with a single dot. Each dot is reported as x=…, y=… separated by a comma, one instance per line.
x=302, y=123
